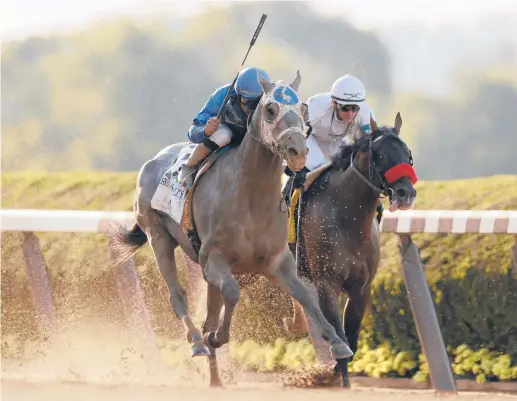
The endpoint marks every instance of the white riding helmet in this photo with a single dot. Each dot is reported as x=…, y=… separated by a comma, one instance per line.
x=348, y=90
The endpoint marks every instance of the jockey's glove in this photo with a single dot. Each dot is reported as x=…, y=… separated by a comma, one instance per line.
x=288, y=171
x=299, y=178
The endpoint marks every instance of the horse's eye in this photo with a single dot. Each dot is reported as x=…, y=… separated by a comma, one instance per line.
x=272, y=111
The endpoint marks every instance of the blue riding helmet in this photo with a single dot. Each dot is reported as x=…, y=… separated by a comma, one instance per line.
x=247, y=84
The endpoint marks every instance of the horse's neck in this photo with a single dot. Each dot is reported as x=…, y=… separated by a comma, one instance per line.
x=356, y=196
x=259, y=169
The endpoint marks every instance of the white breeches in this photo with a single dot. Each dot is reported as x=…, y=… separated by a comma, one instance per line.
x=315, y=157
x=222, y=136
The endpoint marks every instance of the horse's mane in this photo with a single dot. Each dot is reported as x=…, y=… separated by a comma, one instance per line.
x=341, y=159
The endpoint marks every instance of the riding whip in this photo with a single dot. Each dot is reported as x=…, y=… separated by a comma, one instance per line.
x=253, y=39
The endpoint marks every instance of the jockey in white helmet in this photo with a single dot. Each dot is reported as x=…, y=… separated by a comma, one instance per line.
x=336, y=116
x=341, y=115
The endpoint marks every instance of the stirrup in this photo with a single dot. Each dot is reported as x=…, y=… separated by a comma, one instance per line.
x=187, y=175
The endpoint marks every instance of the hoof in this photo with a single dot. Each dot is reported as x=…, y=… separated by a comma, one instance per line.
x=341, y=372
x=209, y=340
x=200, y=349
x=341, y=351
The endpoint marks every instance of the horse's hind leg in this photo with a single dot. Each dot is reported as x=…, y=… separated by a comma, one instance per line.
x=163, y=245
x=214, y=305
x=218, y=273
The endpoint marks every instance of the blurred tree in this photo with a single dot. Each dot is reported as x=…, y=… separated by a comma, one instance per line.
x=472, y=134
x=334, y=43
x=109, y=97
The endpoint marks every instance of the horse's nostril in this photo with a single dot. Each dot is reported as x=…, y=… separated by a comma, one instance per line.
x=401, y=193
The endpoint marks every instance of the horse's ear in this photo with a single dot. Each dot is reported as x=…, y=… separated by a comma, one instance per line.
x=266, y=84
x=296, y=83
x=305, y=112
x=373, y=124
x=398, y=123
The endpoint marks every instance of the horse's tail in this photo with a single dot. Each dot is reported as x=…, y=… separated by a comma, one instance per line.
x=125, y=243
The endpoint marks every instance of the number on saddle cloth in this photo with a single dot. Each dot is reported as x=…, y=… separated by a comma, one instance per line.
x=170, y=195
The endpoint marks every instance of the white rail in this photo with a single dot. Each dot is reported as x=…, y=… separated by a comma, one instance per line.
x=414, y=221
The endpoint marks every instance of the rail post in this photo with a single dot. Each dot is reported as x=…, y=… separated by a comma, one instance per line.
x=39, y=283
x=424, y=315
x=133, y=302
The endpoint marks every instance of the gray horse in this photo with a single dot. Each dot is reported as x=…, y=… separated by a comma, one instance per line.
x=338, y=246
x=241, y=225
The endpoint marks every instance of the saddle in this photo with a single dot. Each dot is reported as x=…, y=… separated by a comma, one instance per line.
x=187, y=218
x=298, y=183
x=293, y=196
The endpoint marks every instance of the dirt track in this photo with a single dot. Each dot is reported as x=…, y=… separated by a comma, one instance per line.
x=98, y=371
x=89, y=379
x=101, y=361
x=20, y=391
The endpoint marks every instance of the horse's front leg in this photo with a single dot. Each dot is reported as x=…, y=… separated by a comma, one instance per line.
x=217, y=272
x=295, y=325
x=355, y=308
x=284, y=274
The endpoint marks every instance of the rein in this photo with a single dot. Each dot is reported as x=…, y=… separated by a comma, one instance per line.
x=275, y=148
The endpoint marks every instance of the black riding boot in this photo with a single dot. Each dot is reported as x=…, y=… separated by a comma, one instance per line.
x=380, y=210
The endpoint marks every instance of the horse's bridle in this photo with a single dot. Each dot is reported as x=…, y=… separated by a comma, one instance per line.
x=393, y=174
x=284, y=108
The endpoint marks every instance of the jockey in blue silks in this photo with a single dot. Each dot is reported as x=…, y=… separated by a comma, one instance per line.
x=211, y=133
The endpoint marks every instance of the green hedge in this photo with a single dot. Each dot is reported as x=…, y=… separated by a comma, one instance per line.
x=383, y=361
x=475, y=304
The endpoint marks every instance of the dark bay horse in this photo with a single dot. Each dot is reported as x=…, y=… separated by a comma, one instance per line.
x=338, y=242
x=240, y=223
